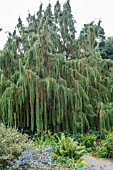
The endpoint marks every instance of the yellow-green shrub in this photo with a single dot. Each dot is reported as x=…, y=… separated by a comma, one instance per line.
x=12, y=143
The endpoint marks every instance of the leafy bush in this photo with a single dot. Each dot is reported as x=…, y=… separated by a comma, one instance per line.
x=67, y=147
x=12, y=143
x=106, y=148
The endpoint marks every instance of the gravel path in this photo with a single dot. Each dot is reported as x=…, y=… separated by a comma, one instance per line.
x=93, y=163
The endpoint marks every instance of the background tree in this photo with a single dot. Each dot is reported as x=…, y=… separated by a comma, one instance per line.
x=107, y=49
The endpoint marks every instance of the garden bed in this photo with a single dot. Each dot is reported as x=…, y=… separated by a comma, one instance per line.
x=60, y=151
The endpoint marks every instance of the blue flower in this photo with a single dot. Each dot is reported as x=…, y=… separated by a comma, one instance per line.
x=7, y=167
x=19, y=168
x=91, y=166
x=49, y=148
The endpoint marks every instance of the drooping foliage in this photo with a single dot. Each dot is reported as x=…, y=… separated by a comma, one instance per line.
x=40, y=89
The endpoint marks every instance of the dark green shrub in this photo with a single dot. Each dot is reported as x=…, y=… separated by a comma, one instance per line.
x=90, y=140
x=106, y=148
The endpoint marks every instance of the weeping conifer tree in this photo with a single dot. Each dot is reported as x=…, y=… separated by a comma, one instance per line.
x=66, y=26
x=41, y=90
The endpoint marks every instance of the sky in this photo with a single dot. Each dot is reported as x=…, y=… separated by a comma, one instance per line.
x=84, y=11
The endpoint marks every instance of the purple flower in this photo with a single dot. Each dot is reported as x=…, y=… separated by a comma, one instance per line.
x=36, y=168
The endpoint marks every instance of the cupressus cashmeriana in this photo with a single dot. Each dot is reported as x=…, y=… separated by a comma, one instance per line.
x=42, y=90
